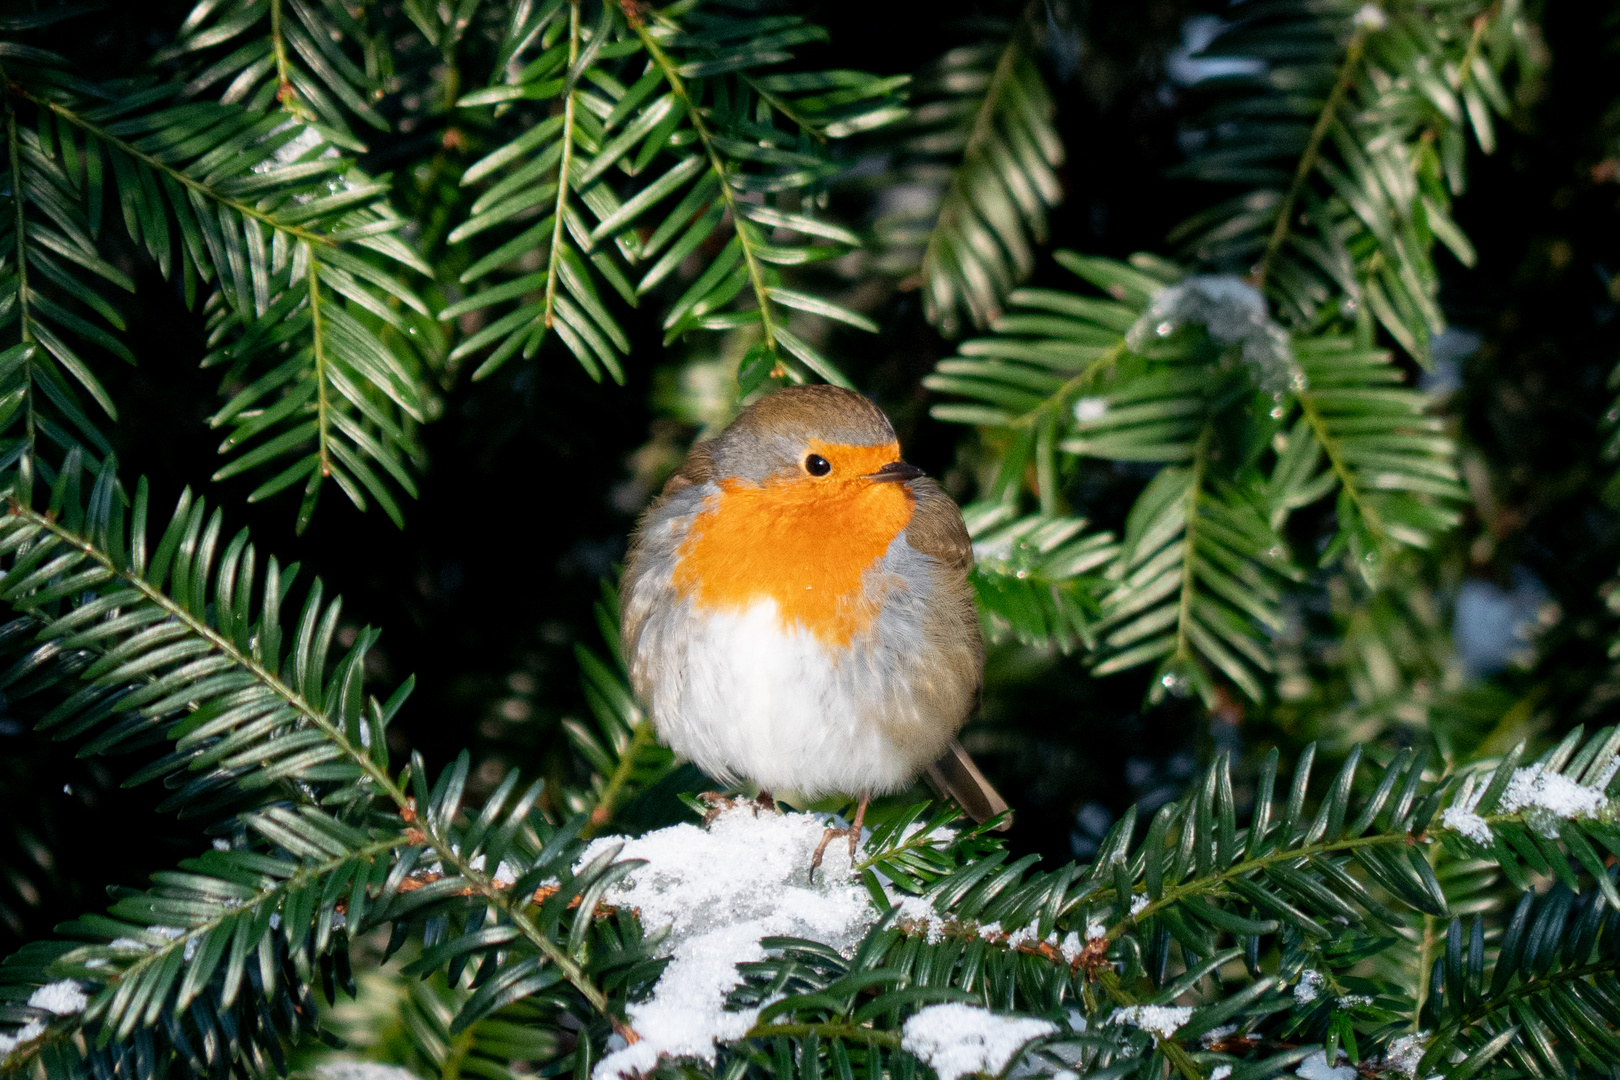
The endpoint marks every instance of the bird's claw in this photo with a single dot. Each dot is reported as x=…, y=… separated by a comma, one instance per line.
x=853, y=831
x=827, y=836
x=719, y=804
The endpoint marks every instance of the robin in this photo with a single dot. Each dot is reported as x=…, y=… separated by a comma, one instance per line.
x=797, y=614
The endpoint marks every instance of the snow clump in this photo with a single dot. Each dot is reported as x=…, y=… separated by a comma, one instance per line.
x=505, y=874
x=1536, y=788
x=64, y=998
x=1029, y=935
x=959, y=1039
x=1160, y=1020
x=1309, y=987
x=719, y=891
x=27, y=1033
x=1460, y=817
x=917, y=910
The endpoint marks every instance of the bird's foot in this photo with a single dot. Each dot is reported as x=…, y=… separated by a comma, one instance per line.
x=853, y=831
x=719, y=804
x=827, y=837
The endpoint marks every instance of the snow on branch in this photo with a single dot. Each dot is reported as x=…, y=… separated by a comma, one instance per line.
x=1234, y=313
x=958, y=1039
x=718, y=892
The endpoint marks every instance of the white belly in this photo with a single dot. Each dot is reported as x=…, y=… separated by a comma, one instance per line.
x=757, y=702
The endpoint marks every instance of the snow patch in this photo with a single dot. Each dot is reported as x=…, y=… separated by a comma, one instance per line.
x=719, y=891
x=959, y=1039
x=1234, y=313
x=1138, y=902
x=64, y=998
x=1220, y=1072
x=1160, y=1020
x=1316, y=1067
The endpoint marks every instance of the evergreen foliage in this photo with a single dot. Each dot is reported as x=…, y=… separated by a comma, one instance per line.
x=1224, y=468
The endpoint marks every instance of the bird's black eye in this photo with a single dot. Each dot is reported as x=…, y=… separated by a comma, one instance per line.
x=816, y=465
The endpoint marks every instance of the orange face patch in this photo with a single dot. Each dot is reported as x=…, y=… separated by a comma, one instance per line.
x=803, y=541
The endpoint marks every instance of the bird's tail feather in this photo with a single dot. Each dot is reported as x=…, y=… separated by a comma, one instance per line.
x=954, y=776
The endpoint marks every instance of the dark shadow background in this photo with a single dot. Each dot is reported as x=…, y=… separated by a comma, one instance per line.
x=486, y=592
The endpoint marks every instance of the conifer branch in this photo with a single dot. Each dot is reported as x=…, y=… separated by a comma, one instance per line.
x=720, y=169
x=431, y=834
x=180, y=176
x=1313, y=146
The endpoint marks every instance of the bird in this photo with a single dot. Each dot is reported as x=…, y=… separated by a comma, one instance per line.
x=796, y=612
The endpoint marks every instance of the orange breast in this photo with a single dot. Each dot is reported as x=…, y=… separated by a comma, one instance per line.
x=804, y=542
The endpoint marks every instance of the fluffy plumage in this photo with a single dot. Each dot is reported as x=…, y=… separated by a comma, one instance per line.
x=807, y=632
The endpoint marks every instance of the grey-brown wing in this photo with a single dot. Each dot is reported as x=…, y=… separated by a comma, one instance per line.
x=695, y=471
x=937, y=530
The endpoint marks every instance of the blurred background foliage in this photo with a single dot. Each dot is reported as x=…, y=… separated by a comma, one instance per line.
x=529, y=480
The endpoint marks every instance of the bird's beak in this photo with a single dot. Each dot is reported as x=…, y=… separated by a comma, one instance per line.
x=895, y=472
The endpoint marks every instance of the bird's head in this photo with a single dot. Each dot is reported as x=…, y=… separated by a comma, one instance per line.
x=811, y=438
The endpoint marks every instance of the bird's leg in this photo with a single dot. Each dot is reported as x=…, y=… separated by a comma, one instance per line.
x=853, y=832
x=855, y=826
